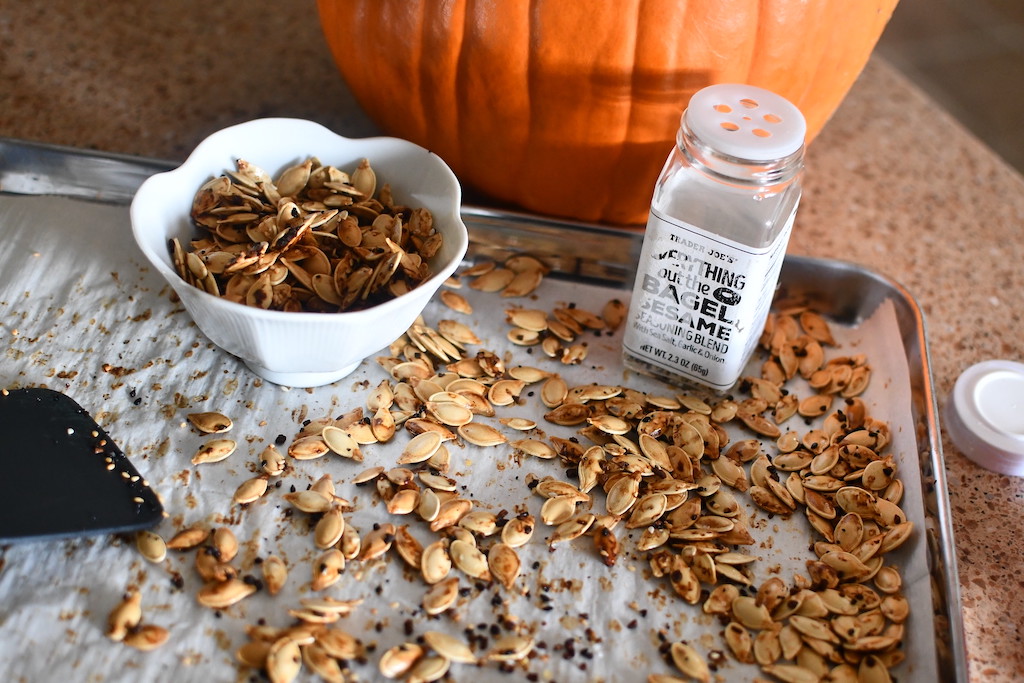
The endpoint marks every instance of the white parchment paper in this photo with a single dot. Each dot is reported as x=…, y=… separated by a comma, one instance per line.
x=79, y=312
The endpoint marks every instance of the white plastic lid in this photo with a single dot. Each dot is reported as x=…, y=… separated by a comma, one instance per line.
x=745, y=121
x=985, y=415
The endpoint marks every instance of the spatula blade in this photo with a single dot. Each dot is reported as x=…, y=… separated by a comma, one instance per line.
x=61, y=475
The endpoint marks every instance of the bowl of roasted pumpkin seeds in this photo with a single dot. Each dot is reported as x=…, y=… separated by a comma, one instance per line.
x=298, y=250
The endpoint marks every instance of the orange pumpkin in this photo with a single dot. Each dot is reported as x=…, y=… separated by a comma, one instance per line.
x=569, y=107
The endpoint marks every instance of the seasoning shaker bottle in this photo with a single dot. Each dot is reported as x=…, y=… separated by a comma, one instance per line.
x=720, y=220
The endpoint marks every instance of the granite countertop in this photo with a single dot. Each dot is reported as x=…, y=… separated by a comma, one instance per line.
x=893, y=183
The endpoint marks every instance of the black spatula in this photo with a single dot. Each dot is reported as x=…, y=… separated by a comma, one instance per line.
x=61, y=475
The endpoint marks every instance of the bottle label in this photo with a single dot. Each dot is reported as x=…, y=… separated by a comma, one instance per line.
x=700, y=301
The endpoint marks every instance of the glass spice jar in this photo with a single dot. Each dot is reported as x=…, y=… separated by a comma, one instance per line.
x=720, y=220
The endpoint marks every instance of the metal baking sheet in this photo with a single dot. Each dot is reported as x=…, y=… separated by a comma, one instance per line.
x=603, y=258
x=845, y=292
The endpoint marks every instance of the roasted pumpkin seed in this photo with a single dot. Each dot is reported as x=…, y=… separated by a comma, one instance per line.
x=214, y=450
x=210, y=422
x=125, y=616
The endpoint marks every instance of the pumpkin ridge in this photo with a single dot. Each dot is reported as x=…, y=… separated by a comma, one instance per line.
x=419, y=83
x=607, y=199
x=461, y=56
x=494, y=99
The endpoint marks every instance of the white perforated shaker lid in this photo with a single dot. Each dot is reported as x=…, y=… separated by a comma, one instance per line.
x=985, y=415
x=745, y=121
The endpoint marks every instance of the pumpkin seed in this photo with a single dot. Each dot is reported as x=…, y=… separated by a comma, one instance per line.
x=327, y=569
x=404, y=502
x=275, y=574
x=468, y=559
x=575, y=354
x=524, y=283
x=151, y=545
x=328, y=605
x=557, y=510
x=225, y=544
x=449, y=413
x=521, y=337
x=436, y=562
x=568, y=414
x=480, y=522
x=554, y=391
x=622, y=495
x=329, y=528
x=480, y=434
x=751, y=613
x=420, y=448
x=535, y=447
x=457, y=332
x=740, y=642
x=571, y=528
x=760, y=425
x=518, y=531
x=896, y=536
x=449, y=647
x=311, y=616
x=125, y=616
x=519, y=424
x=504, y=392
x=689, y=662
x=147, y=637
x=510, y=648
x=504, y=564
x=450, y=512
x=351, y=544
x=308, y=447
x=272, y=462
x=309, y=501
x=456, y=302
x=188, y=538
x=441, y=596
x=791, y=673
x=250, y=491
x=683, y=581
x=653, y=537
x=816, y=327
x=253, y=654
x=528, y=319
x=325, y=487
x=214, y=450
x=493, y=280
x=338, y=441
x=284, y=660
x=210, y=422
x=896, y=608
x=720, y=502
x=377, y=542
x=647, y=510
x=730, y=573
x=408, y=547
x=813, y=628
x=339, y=644
x=322, y=664
x=730, y=473
x=429, y=505
x=223, y=594
x=382, y=424
x=430, y=667
x=888, y=580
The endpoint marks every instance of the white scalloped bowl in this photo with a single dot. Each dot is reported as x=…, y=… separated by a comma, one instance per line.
x=299, y=349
